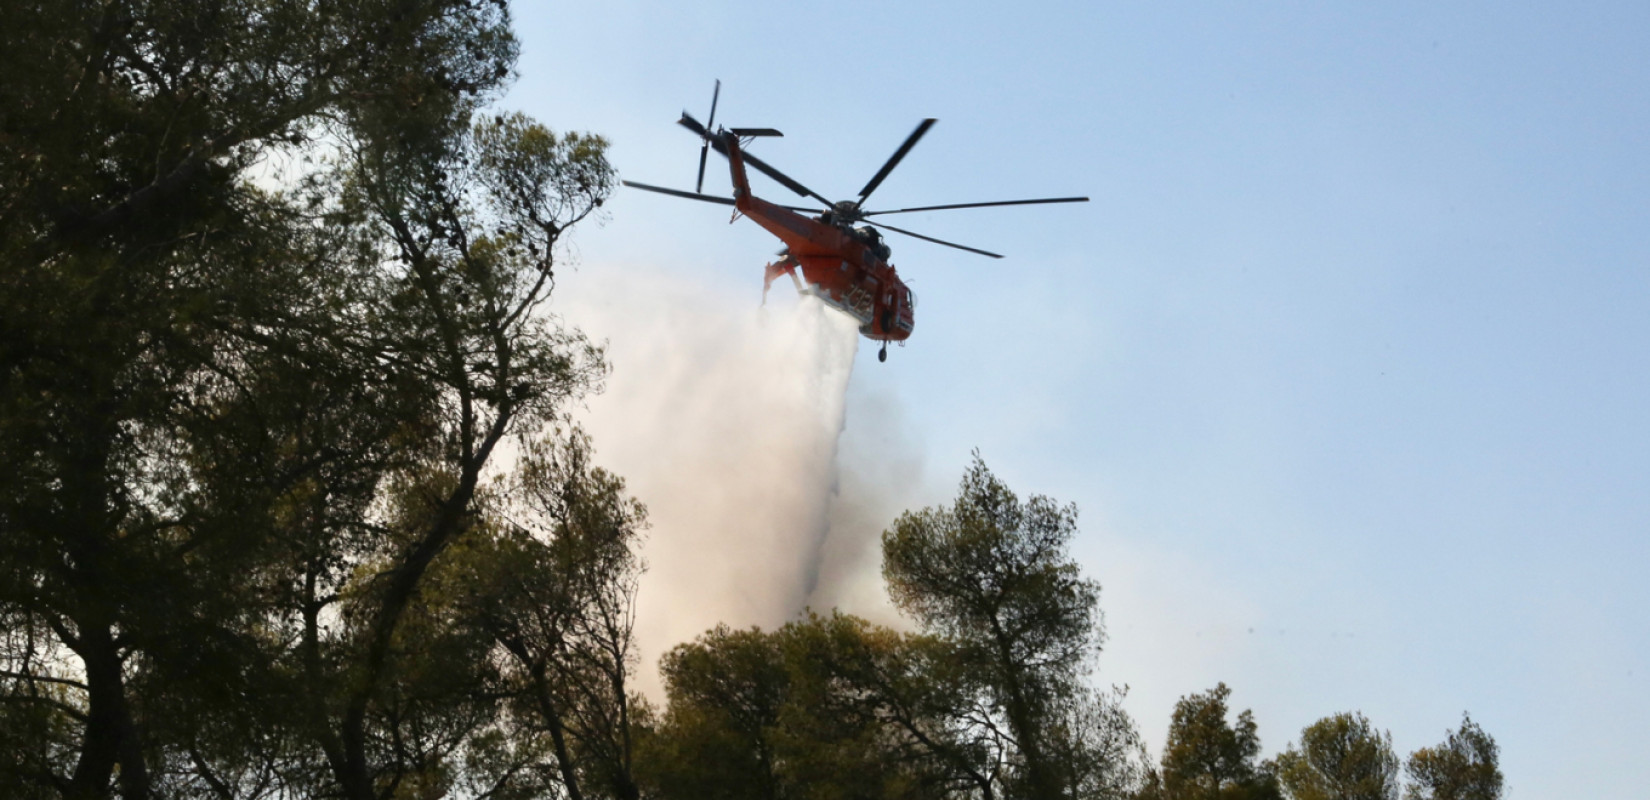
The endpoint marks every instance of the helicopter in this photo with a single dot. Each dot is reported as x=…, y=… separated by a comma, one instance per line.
x=839, y=251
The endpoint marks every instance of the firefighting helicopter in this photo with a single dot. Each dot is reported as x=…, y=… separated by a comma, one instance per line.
x=843, y=264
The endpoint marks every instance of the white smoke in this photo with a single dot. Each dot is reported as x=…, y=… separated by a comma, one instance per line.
x=726, y=419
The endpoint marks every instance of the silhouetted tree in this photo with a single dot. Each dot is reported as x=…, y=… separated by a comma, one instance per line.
x=1341, y=757
x=553, y=582
x=1207, y=757
x=242, y=422
x=991, y=577
x=824, y=707
x=1464, y=767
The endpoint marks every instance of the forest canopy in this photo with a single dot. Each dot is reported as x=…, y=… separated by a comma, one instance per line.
x=294, y=505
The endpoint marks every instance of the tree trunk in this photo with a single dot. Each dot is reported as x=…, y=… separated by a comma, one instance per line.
x=109, y=737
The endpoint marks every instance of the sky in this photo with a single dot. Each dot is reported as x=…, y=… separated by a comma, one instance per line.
x=1346, y=364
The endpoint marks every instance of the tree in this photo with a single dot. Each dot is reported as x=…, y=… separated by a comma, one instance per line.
x=1463, y=767
x=986, y=702
x=242, y=424
x=895, y=709
x=991, y=576
x=716, y=739
x=553, y=582
x=1206, y=757
x=826, y=707
x=1094, y=743
x=1341, y=757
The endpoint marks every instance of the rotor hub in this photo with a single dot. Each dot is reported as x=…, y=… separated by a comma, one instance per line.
x=846, y=211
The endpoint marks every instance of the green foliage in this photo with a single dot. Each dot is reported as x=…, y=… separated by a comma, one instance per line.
x=1207, y=757
x=1341, y=757
x=717, y=739
x=243, y=424
x=825, y=707
x=1464, y=767
x=553, y=583
x=990, y=569
x=991, y=576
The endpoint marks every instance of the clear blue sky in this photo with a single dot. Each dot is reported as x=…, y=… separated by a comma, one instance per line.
x=1347, y=364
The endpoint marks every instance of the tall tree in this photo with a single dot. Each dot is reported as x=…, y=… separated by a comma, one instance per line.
x=991, y=575
x=241, y=424
x=1208, y=758
x=1341, y=757
x=1464, y=767
x=473, y=216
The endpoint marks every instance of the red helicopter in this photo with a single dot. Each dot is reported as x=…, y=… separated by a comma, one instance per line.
x=844, y=265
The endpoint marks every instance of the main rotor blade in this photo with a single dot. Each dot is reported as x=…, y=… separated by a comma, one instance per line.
x=789, y=183
x=716, y=93
x=709, y=198
x=886, y=226
x=980, y=205
x=704, y=151
x=726, y=201
x=893, y=161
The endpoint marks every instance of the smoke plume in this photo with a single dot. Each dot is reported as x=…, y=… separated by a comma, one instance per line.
x=727, y=420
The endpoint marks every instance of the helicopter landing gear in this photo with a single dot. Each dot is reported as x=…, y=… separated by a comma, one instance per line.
x=784, y=266
x=882, y=355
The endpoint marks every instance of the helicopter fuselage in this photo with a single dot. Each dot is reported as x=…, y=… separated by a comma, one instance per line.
x=840, y=268
x=846, y=268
